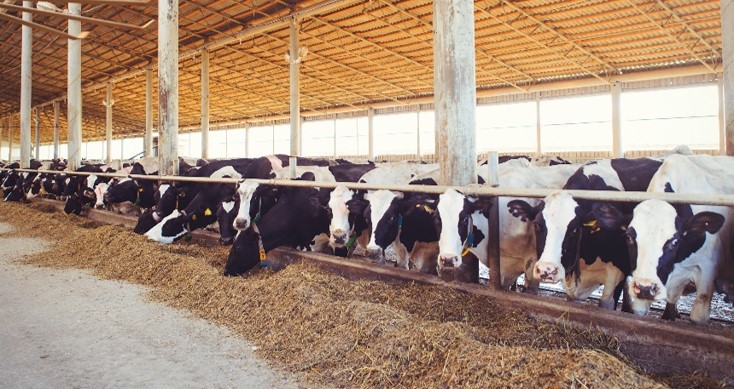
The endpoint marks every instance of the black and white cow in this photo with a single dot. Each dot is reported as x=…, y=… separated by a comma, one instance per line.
x=79, y=190
x=295, y=220
x=572, y=245
x=672, y=245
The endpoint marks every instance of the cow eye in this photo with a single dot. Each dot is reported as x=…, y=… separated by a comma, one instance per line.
x=674, y=243
x=629, y=240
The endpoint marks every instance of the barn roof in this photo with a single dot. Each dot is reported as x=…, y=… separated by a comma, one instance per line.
x=358, y=53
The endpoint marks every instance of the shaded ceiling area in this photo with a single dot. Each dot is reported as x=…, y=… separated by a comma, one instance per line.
x=358, y=52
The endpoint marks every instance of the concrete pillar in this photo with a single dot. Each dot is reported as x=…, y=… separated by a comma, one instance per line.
x=727, y=44
x=108, y=103
x=617, y=151
x=168, y=86
x=539, y=145
x=148, y=139
x=10, y=139
x=57, y=107
x=26, y=84
x=247, y=141
x=333, y=135
x=455, y=91
x=371, y=134
x=295, y=89
x=74, y=99
x=418, y=133
x=722, y=123
x=204, y=104
x=38, y=134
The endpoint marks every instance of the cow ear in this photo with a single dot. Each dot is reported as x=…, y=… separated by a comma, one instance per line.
x=702, y=222
x=526, y=212
x=609, y=217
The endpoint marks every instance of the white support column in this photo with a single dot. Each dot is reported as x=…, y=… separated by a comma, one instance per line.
x=148, y=139
x=74, y=93
x=108, y=103
x=247, y=141
x=57, y=107
x=333, y=135
x=295, y=89
x=38, y=134
x=722, y=123
x=539, y=145
x=371, y=134
x=418, y=133
x=26, y=85
x=617, y=151
x=455, y=91
x=10, y=139
x=168, y=86
x=727, y=43
x=205, y=104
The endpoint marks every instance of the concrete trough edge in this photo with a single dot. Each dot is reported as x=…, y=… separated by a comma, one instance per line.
x=657, y=346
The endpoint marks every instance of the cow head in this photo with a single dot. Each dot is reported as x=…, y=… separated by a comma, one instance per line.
x=254, y=201
x=122, y=190
x=225, y=215
x=168, y=230
x=346, y=211
x=558, y=229
x=659, y=236
x=460, y=222
x=170, y=198
x=385, y=219
x=100, y=190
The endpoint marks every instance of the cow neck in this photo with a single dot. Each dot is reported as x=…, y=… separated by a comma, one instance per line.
x=469, y=236
x=261, y=247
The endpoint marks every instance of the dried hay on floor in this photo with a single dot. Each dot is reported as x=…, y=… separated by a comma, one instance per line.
x=339, y=332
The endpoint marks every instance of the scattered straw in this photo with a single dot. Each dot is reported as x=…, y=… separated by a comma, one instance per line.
x=337, y=332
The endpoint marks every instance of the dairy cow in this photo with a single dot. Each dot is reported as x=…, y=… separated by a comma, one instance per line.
x=671, y=245
x=572, y=245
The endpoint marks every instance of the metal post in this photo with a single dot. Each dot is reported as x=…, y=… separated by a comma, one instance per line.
x=333, y=136
x=539, y=148
x=10, y=139
x=722, y=124
x=74, y=102
x=295, y=89
x=455, y=90
x=38, y=134
x=56, y=128
x=205, y=104
x=727, y=44
x=494, y=223
x=2, y=129
x=148, y=139
x=617, y=151
x=247, y=141
x=108, y=103
x=371, y=134
x=418, y=133
x=168, y=86
x=26, y=84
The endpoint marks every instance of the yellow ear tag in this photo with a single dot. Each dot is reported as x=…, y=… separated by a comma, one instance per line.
x=427, y=208
x=465, y=252
x=140, y=189
x=207, y=212
x=263, y=256
x=594, y=225
x=43, y=191
x=193, y=217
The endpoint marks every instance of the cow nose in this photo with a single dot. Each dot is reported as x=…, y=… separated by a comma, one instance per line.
x=447, y=260
x=644, y=289
x=546, y=272
x=240, y=223
x=339, y=236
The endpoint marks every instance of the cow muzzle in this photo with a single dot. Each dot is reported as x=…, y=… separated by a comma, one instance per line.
x=338, y=238
x=240, y=223
x=645, y=290
x=374, y=252
x=547, y=272
x=448, y=261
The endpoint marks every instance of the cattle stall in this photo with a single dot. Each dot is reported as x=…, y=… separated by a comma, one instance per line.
x=655, y=345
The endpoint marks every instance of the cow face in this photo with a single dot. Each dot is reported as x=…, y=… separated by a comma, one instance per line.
x=343, y=209
x=123, y=190
x=225, y=215
x=168, y=230
x=458, y=219
x=99, y=194
x=659, y=237
x=383, y=216
x=255, y=200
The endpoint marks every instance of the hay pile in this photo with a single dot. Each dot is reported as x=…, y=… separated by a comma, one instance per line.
x=338, y=332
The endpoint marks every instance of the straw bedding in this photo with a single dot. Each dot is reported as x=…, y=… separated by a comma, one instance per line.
x=337, y=332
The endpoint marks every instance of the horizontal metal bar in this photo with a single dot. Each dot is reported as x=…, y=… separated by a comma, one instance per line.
x=471, y=190
x=76, y=17
x=41, y=27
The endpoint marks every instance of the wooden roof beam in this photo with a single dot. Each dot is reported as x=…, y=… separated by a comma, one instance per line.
x=688, y=27
x=543, y=45
x=671, y=36
x=80, y=18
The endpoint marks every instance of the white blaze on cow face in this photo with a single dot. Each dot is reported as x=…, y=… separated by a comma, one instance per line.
x=339, y=228
x=163, y=188
x=90, y=180
x=450, y=205
x=380, y=202
x=558, y=213
x=99, y=191
x=245, y=191
x=227, y=206
x=156, y=233
x=652, y=225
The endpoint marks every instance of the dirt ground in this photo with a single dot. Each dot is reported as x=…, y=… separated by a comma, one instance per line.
x=66, y=328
